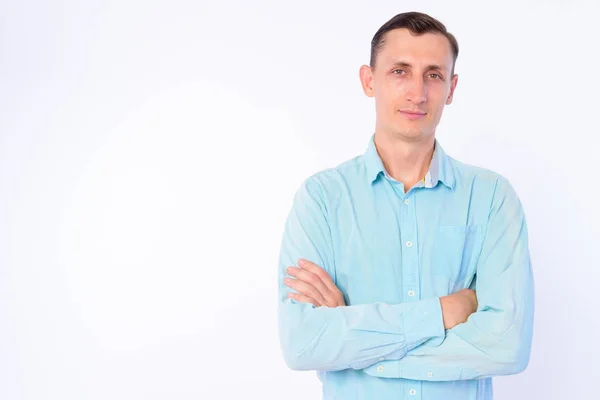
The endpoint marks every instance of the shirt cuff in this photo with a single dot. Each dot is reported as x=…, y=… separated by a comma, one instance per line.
x=424, y=323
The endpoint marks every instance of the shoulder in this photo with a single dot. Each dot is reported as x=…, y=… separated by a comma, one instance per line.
x=329, y=181
x=485, y=183
x=469, y=175
x=470, y=172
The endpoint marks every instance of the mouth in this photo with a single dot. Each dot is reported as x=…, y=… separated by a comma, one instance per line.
x=413, y=114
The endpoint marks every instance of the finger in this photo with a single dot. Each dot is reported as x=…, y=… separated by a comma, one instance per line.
x=332, y=295
x=318, y=271
x=312, y=279
x=304, y=299
x=305, y=288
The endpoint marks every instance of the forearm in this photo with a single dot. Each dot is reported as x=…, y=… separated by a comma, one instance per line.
x=355, y=336
x=495, y=340
x=467, y=352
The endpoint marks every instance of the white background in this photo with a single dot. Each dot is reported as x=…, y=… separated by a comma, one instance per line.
x=149, y=152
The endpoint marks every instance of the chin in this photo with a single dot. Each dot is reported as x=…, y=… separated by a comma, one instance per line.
x=411, y=134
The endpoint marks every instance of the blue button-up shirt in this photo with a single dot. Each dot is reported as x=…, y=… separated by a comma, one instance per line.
x=393, y=255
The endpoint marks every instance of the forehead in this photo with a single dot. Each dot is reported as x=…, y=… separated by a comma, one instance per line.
x=428, y=48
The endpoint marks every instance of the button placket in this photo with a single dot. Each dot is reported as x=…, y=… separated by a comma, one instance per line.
x=410, y=259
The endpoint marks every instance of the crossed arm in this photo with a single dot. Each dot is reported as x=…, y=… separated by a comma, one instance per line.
x=495, y=340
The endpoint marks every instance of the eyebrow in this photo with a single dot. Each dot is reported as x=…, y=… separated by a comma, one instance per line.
x=429, y=67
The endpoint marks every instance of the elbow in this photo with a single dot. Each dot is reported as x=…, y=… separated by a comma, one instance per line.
x=520, y=364
x=516, y=359
x=521, y=351
x=296, y=362
x=296, y=354
x=504, y=357
x=302, y=353
x=506, y=362
x=292, y=361
x=289, y=350
x=306, y=362
x=298, y=359
x=305, y=337
x=512, y=348
x=512, y=367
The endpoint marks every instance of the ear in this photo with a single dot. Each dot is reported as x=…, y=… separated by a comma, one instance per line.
x=366, y=80
x=453, y=84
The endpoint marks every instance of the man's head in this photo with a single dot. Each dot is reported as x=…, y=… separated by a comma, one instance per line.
x=411, y=75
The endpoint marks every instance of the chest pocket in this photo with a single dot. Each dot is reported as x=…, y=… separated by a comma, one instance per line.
x=455, y=253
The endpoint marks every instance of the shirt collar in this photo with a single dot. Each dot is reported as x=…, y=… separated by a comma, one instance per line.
x=440, y=168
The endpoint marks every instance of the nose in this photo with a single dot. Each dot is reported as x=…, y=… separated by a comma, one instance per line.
x=416, y=92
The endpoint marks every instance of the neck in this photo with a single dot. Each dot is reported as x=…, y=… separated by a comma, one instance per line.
x=405, y=161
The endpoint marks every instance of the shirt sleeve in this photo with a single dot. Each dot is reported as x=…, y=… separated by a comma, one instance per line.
x=356, y=336
x=496, y=339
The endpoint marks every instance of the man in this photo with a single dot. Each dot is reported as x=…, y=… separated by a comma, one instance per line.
x=404, y=273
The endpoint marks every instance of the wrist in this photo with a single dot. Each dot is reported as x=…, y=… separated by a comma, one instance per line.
x=444, y=305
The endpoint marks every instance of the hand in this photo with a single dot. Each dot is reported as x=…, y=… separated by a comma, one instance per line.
x=457, y=307
x=314, y=285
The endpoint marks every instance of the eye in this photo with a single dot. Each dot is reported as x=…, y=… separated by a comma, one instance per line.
x=435, y=76
x=400, y=73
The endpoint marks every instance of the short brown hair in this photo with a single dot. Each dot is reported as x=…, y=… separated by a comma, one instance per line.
x=417, y=23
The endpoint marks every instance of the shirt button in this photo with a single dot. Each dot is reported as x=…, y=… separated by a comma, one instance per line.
x=430, y=374
x=407, y=201
x=409, y=244
x=380, y=368
x=412, y=392
x=411, y=293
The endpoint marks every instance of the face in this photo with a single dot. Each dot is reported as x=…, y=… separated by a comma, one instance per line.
x=411, y=82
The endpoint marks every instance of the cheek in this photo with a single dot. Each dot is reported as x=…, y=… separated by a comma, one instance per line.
x=398, y=85
x=392, y=89
x=387, y=100
x=436, y=114
x=396, y=94
x=437, y=100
